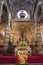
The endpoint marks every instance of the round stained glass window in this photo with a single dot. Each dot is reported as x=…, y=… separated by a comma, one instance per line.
x=22, y=14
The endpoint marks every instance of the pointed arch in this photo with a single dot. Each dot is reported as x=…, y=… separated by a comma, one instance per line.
x=4, y=16
x=6, y=8
x=39, y=12
x=39, y=4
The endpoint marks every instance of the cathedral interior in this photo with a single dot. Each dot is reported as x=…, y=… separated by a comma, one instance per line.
x=21, y=26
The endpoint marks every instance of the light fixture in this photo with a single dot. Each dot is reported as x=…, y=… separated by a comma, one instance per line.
x=22, y=14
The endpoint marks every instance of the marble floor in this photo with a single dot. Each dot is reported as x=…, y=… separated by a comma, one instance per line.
x=29, y=64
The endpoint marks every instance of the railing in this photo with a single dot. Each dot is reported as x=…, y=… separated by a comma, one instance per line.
x=35, y=58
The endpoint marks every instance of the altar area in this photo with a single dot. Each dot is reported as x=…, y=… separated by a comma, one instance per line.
x=21, y=32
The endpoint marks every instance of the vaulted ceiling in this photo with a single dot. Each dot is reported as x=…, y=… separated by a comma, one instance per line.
x=34, y=8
